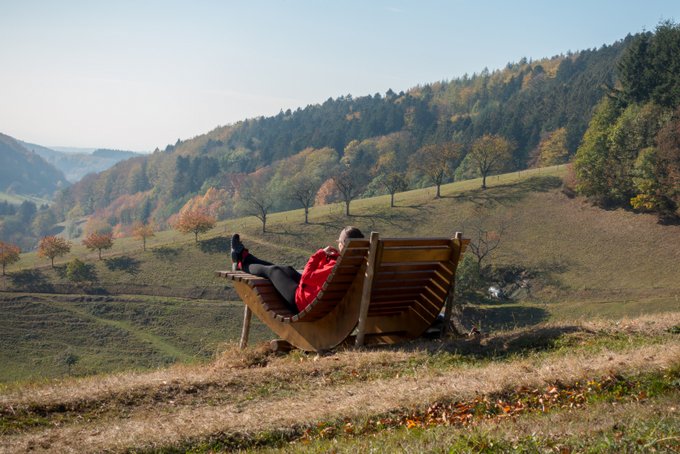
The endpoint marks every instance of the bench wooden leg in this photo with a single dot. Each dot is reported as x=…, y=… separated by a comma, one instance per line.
x=247, y=315
x=366, y=290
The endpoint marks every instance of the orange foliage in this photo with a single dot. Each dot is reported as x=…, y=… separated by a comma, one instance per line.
x=212, y=202
x=98, y=241
x=327, y=193
x=95, y=224
x=196, y=221
x=52, y=247
x=9, y=253
x=143, y=231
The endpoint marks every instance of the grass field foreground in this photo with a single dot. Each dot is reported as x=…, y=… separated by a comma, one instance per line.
x=513, y=385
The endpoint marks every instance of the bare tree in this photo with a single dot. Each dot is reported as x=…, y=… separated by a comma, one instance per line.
x=257, y=202
x=490, y=153
x=304, y=190
x=486, y=235
x=394, y=182
x=347, y=185
x=437, y=162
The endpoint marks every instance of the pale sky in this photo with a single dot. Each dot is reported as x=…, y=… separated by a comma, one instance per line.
x=137, y=75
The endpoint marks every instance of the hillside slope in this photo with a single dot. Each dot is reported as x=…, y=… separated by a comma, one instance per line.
x=572, y=249
x=24, y=172
x=578, y=261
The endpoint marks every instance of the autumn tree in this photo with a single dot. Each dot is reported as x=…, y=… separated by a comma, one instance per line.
x=437, y=162
x=9, y=253
x=195, y=221
x=552, y=149
x=99, y=242
x=394, y=182
x=53, y=246
x=490, y=153
x=142, y=231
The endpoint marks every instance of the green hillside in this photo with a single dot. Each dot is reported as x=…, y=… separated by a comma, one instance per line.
x=580, y=262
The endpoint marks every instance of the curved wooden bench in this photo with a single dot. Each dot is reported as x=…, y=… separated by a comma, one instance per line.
x=389, y=289
x=328, y=320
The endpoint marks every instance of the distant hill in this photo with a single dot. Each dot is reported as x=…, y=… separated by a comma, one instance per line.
x=76, y=165
x=118, y=155
x=25, y=172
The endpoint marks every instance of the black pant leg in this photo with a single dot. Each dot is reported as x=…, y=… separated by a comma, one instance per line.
x=284, y=278
x=250, y=259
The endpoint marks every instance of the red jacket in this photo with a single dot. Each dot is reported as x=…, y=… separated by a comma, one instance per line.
x=316, y=271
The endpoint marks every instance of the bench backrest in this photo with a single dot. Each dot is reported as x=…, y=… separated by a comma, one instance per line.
x=410, y=282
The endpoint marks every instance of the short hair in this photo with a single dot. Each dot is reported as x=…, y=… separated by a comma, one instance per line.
x=350, y=232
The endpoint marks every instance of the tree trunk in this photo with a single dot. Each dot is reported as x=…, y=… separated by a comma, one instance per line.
x=392, y=200
x=484, y=181
x=306, y=215
x=347, y=207
x=438, y=194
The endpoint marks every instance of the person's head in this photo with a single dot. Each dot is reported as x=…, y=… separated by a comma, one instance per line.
x=347, y=233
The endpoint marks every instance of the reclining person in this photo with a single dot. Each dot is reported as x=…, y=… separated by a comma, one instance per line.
x=298, y=290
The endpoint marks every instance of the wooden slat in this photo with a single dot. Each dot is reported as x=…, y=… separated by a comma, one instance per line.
x=396, y=293
x=415, y=255
x=418, y=242
x=440, y=266
x=398, y=283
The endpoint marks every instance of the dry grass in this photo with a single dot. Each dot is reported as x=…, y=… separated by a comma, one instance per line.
x=258, y=392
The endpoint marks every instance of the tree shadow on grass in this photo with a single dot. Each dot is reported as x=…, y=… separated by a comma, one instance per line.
x=400, y=220
x=217, y=245
x=539, y=338
x=31, y=280
x=165, y=252
x=504, y=317
x=510, y=193
x=506, y=344
x=124, y=263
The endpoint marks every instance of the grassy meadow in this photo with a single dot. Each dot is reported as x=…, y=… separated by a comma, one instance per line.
x=143, y=358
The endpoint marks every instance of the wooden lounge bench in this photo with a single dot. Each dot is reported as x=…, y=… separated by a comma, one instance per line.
x=327, y=321
x=387, y=289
